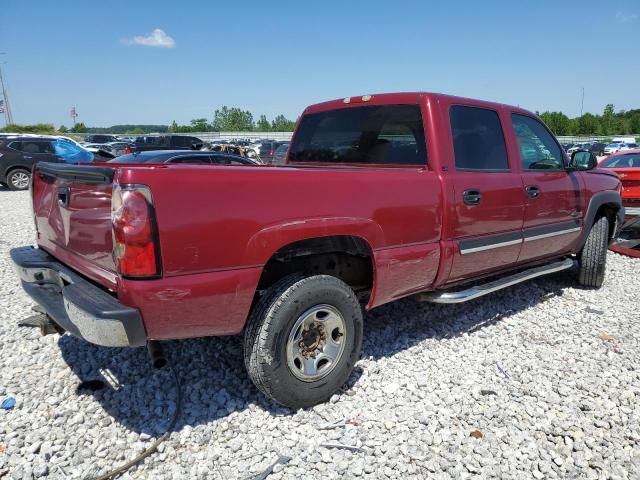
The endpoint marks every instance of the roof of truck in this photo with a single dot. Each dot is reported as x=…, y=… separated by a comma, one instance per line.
x=402, y=98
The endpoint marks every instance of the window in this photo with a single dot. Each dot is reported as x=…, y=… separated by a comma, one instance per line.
x=538, y=148
x=630, y=160
x=15, y=145
x=36, y=147
x=192, y=159
x=386, y=134
x=478, y=140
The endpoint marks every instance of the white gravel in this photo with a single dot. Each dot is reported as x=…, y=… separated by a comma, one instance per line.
x=547, y=375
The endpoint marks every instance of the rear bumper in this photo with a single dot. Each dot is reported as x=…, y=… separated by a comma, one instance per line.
x=76, y=304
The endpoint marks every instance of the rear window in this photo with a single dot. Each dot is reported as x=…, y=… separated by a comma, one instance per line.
x=379, y=135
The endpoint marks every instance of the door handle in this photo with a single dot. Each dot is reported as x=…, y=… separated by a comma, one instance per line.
x=471, y=196
x=532, y=191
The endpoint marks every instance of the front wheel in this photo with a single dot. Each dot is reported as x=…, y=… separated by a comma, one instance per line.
x=18, y=179
x=593, y=256
x=302, y=339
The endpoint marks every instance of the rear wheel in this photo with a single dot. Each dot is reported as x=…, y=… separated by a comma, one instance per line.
x=303, y=338
x=593, y=256
x=18, y=179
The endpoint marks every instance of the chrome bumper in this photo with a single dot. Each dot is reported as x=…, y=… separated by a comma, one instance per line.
x=75, y=304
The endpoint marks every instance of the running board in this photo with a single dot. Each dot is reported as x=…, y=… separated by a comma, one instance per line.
x=499, y=284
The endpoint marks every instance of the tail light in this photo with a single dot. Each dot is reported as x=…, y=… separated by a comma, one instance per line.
x=135, y=241
x=126, y=151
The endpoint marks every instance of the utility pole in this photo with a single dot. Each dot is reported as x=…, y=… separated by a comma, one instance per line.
x=8, y=118
x=582, y=102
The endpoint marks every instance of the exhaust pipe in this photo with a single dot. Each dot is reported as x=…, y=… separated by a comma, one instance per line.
x=158, y=359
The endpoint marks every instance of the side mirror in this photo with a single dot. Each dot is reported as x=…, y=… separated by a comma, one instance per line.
x=583, y=160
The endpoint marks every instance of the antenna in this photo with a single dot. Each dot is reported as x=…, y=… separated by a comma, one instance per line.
x=8, y=117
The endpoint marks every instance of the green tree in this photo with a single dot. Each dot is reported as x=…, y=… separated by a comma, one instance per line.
x=136, y=131
x=263, y=124
x=79, y=127
x=232, y=120
x=282, y=124
x=200, y=125
x=587, y=124
x=558, y=122
x=173, y=127
x=63, y=129
x=608, y=121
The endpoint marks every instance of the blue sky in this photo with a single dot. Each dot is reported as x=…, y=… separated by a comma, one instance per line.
x=277, y=57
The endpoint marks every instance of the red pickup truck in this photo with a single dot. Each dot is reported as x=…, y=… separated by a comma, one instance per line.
x=382, y=197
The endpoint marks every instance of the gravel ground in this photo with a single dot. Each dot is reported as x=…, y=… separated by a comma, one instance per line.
x=539, y=381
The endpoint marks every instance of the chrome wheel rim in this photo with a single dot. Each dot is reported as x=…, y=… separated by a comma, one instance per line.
x=20, y=180
x=316, y=343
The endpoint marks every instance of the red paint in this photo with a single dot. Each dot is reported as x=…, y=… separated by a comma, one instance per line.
x=219, y=225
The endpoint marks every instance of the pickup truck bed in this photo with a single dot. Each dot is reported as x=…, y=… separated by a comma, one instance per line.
x=381, y=198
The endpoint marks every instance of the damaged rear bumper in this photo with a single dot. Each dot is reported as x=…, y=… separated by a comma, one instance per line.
x=75, y=304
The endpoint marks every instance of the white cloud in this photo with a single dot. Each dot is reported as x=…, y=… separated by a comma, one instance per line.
x=157, y=38
x=625, y=17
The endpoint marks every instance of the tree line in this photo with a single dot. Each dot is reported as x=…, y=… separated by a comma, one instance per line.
x=234, y=119
x=609, y=123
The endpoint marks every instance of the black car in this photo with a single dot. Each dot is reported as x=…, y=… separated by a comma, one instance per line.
x=166, y=142
x=18, y=154
x=268, y=150
x=182, y=156
x=100, y=138
x=597, y=148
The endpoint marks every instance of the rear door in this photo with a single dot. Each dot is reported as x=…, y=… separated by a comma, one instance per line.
x=487, y=208
x=553, y=206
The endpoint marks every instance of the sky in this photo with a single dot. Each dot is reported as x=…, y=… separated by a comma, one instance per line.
x=152, y=62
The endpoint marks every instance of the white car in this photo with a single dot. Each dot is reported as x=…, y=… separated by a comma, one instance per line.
x=613, y=148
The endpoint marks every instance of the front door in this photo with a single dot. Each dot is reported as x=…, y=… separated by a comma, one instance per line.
x=553, y=209
x=486, y=221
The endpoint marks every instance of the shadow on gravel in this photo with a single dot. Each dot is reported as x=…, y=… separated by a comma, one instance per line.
x=211, y=370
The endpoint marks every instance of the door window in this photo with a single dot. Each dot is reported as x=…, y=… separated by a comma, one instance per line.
x=478, y=139
x=538, y=148
x=192, y=159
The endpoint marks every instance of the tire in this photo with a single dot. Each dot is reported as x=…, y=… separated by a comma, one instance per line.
x=16, y=179
x=275, y=351
x=593, y=256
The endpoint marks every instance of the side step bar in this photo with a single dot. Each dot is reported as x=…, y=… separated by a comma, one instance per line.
x=499, y=284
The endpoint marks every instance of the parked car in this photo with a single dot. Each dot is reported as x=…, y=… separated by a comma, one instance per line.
x=181, y=156
x=627, y=165
x=578, y=146
x=612, y=148
x=19, y=153
x=597, y=148
x=99, y=138
x=367, y=212
x=567, y=146
x=627, y=146
x=280, y=155
x=165, y=142
x=268, y=150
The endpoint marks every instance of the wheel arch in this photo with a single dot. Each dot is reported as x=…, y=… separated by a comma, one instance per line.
x=607, y=203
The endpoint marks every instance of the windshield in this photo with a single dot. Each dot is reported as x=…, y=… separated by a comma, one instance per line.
x=70, y=152
x=631, y=160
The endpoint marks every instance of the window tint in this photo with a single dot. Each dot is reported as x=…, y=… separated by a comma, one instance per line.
x=478, y=140
x=622, y=161
x=388, y=134
x=229, y=160
x=538, y=149
x=192, y=159
x=15, y=145
x=36, y=147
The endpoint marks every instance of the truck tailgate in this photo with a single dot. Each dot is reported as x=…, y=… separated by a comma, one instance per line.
x=72, y=213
